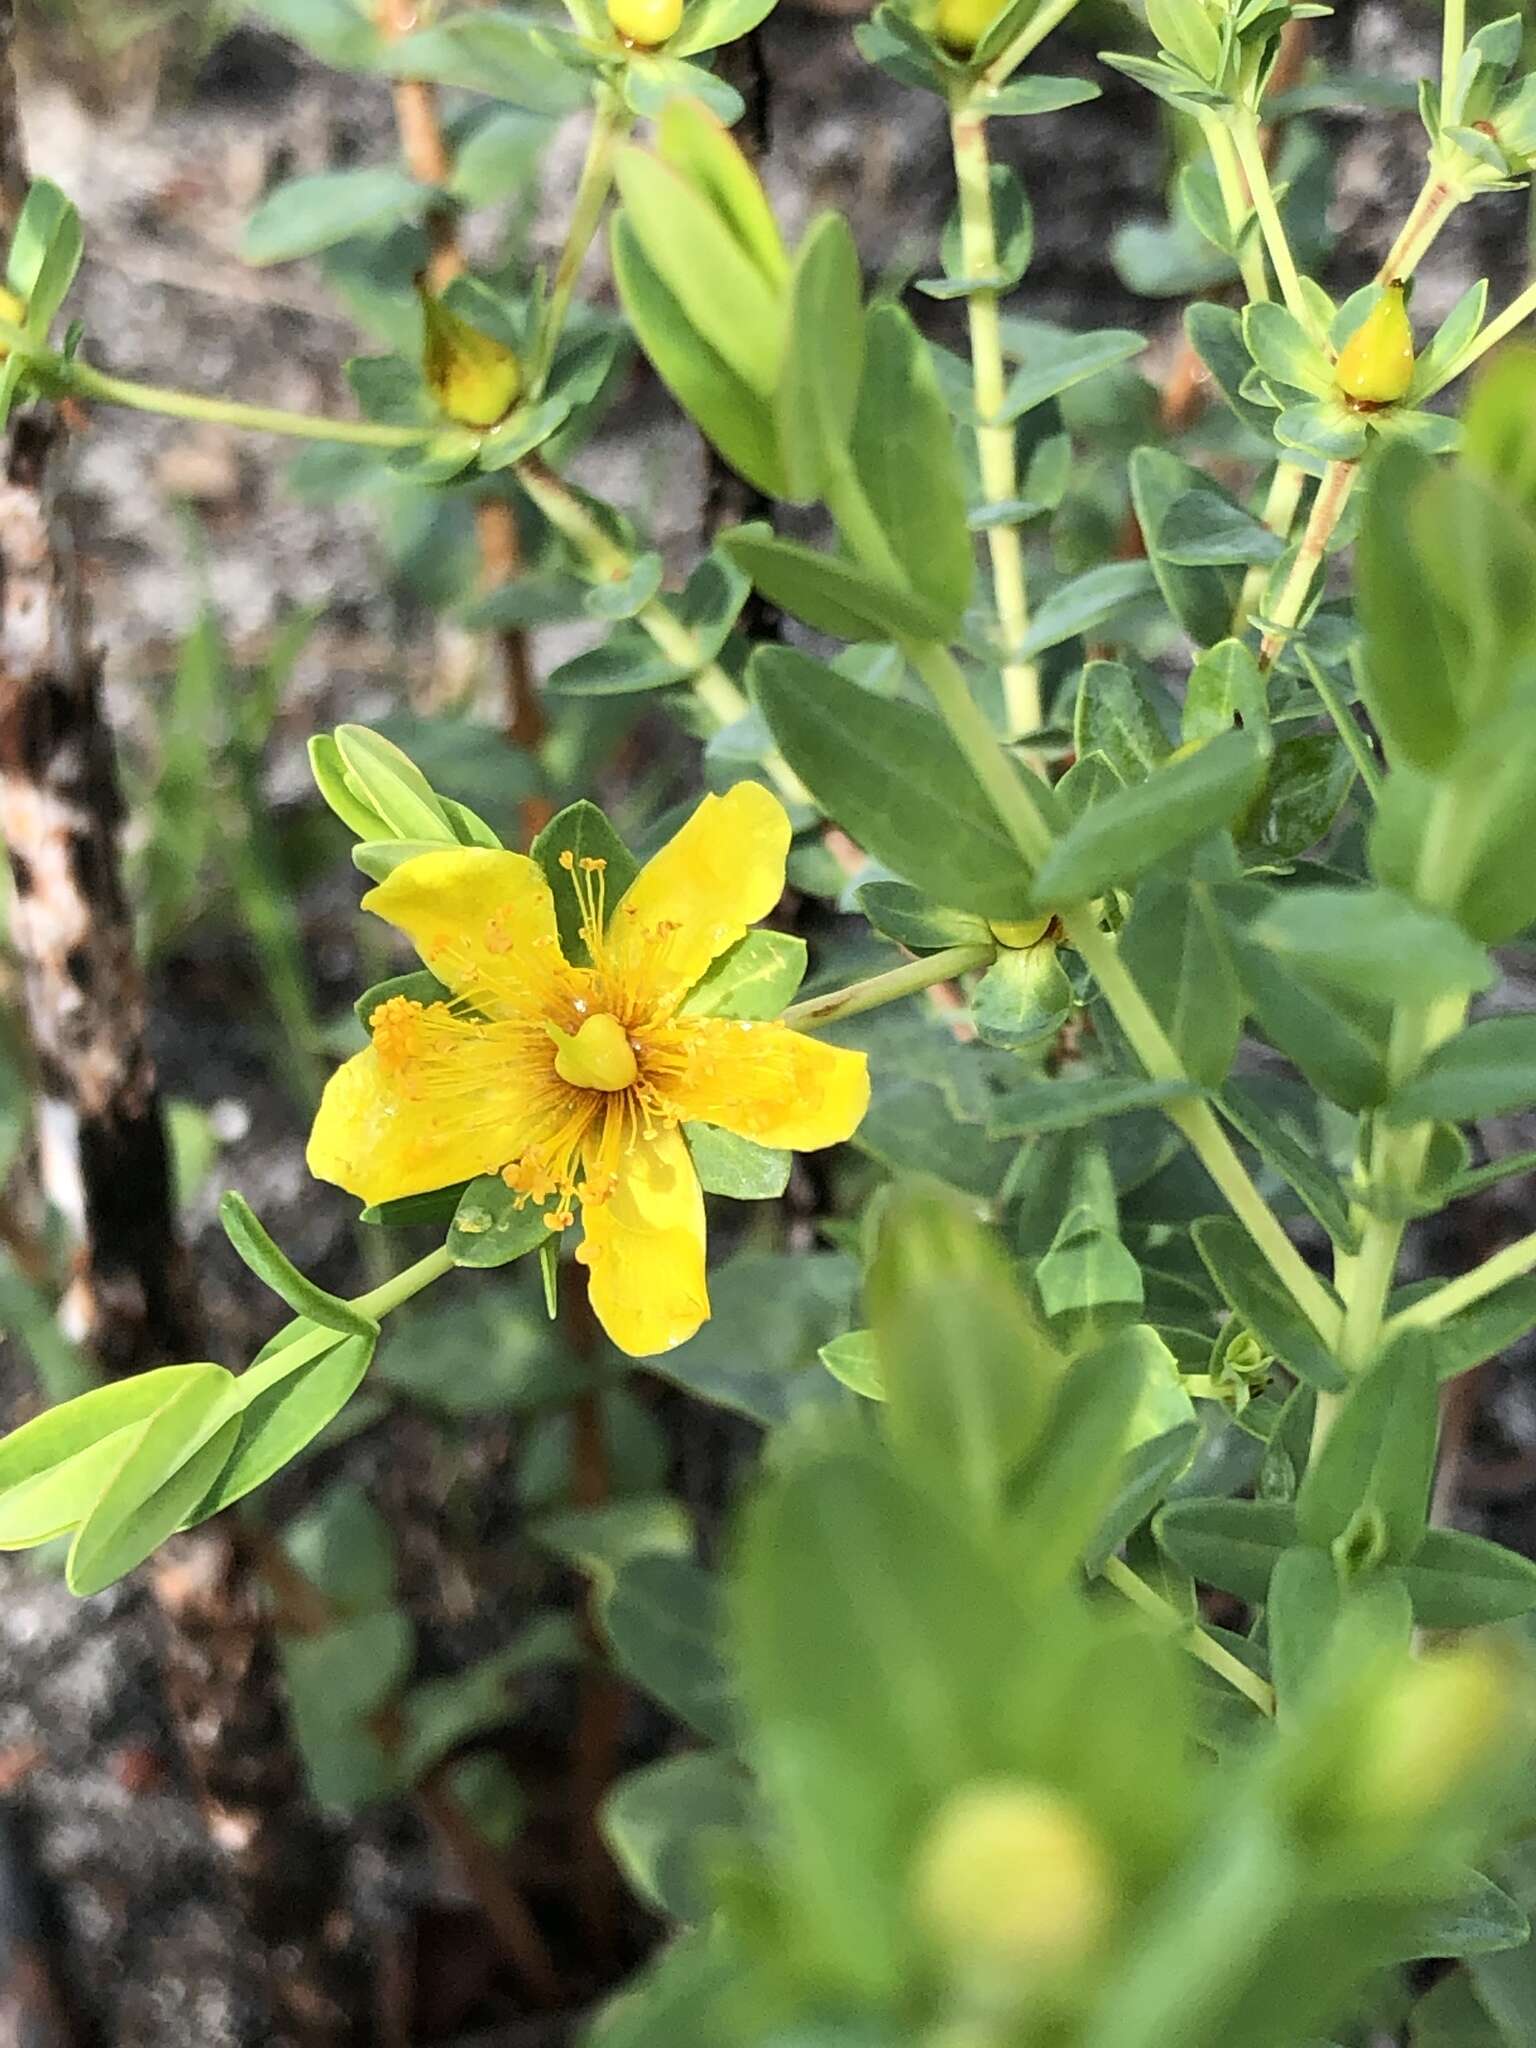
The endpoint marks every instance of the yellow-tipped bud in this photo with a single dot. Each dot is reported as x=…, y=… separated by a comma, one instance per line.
x=1439, y=1726
x=1018, y=934
x=1375, y=366
x=1012, y=1882
x=961, y=24
x=11, y=309
x=646, y=23
x=475, y=379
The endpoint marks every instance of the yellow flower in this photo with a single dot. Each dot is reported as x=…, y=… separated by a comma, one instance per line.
x=571, y=1081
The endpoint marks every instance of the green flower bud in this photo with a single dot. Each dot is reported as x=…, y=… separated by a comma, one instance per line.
x=475, y=379
x=1375, y=366
x=646, y=23
x=1012, y=1883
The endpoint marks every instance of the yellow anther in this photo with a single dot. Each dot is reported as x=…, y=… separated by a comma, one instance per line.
x=1375, y=366
x=598, y=1056
x=395, y=1028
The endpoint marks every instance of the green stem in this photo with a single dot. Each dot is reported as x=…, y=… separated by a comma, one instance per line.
x=996, y=444
x=1051, y=15
x=1452, y=47
x=382, y=1300
x=1009, y=790
x=1215, y=1656
x=1030, y=831
x=1285, y=491
x=1431, y=210
x=611, y=122
x=1198, y=1125
x=609, y=563
x=1244, y=130
x=908, y=980
x=1234, y=196
x=1347, y=727
x=1327, y=510
x=85, y=382
x=1513, y=1263
x=1514, y=315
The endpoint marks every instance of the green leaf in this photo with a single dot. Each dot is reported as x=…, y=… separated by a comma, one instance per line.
x=496, y=52
x=1208, y=529
x=172, y=1461
x=1143, y=1482
x=756, y=978
x=1456, y=330
x=1327, y=431
x=665, y=1821
x=1014, y=232
x=582, y=831
x=1202, y=600
x=905, y=456
x=1233, y=1544
x=940, y=1288
x=45, y=249
x=286, y=1416
x=1379, y=1457
x=1054, y=361
x=1064, y=1105
x=1225, y=690
x=1249, y=1286
x=1177, y=948
x=1302, y=1607
x=709, y=23
x=1310, y=777
x=1115, y=717
x=1487, y=1070
x=663, y=1622
x=1040, y=95
x=720, y=290
x=268, y=1262
x=1131, y=831
x=727, y=410
x=854, y=1358
x=336, y=1682
x=1336, y=1046
x=1461, y=1581
x=1216, y=335
x=892, y=777
x=1374, y=943
x=1074, y=609
x=818, y=388
x=492, y=1225
x=1409, y=687
x=898, y=911
x=337, y=31
x=738, y=1168
x=1283, y=350
x=54, y=1467
x=1480, y=1918
x=834, y=595
x=308, y=214
x=1089, y=1275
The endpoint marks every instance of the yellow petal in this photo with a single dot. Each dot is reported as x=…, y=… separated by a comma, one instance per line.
x=482, y=920
x=722, y=872
x=379, y=1139
x=766, y=1082
x=644, y=1248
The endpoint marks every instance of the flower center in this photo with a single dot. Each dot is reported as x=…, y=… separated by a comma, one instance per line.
x=598, y=1056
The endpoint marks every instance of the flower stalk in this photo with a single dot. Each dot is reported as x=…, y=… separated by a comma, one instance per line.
x=611, y=122
x=1333, y=495
x=996, y=445
x=872, y=994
